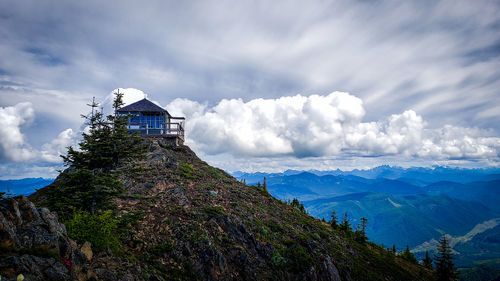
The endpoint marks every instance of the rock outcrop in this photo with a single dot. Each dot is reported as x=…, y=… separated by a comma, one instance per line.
x=34, y=245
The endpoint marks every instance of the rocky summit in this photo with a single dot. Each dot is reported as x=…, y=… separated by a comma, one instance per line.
x=181, y=219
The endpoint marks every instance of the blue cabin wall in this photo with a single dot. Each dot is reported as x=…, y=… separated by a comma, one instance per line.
x=145, y=122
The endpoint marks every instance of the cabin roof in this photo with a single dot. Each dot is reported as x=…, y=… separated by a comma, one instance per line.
x=143, y=105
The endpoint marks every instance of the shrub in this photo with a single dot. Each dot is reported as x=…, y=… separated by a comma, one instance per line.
x=98, y=229
x=186, y=170
x=277, y=261
x=162, y=248
x=298, y=258
x=214, y=211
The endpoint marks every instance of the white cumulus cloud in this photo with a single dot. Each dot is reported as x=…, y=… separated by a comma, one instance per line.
x=130, y=95
x=13, y=146
x=323, y=125
x=59, y=146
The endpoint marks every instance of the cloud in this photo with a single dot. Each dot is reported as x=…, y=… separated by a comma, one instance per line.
x=438, y=58
x=323, y=125
x=25, y=170
x=130, y=95
x=460, y=143
x=59, y=146
x=13, y=146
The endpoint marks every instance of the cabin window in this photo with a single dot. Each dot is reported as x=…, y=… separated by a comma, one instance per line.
x=156, y=121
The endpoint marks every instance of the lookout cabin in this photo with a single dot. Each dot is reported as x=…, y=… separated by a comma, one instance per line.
x=149, y=119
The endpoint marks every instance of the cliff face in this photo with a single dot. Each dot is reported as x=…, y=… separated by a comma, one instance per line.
x=195, y=222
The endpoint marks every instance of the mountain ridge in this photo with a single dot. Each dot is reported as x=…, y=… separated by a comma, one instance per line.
x=198, y=221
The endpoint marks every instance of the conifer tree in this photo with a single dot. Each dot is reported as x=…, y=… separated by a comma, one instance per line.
x=345, y=225
x=427, y=261
x=445, y=269
x=360, y=233
x=394, y=248
x=333, y=221
x=90, y=180
x=297, y=205
x=407, y=255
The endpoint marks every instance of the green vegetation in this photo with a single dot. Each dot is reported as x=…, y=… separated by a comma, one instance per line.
x=298, y=258
x=162, y=248
x=427, y=261
x=99, y=229
x=277, y=261
x=91, y=180
x=482, y=272
x=262, y=188
x=187, y=170
x=445, y=269
x=334, y=221
x=297, y=205
x=214, y=211
x=345, y=225
x=407, y=255
x=360, y=233
x=82, y=193
x=217, y=174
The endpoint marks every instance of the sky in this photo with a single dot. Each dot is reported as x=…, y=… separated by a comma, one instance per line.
x=264, y=85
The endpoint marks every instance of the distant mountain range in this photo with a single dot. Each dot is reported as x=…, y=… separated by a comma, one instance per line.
x=404, y=206
x=25, y=186
x=416, y=175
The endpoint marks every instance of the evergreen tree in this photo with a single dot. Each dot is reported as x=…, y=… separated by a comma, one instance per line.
x=333, y=221
x=345, y=225
x=360, y=233
x=91, y=180
x=297, y=205
x=445, y=268
x=394, y=248
x=407, y=255
x=427, y=261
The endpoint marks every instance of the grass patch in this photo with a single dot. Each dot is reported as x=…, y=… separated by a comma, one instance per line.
x=187, y=170
x=217, y=174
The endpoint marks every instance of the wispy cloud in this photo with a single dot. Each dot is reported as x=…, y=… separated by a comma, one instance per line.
x=439, y=59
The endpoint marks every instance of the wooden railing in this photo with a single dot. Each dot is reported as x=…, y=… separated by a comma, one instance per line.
x=171, y=128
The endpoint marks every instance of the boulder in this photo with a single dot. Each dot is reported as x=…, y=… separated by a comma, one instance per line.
x=87, y=250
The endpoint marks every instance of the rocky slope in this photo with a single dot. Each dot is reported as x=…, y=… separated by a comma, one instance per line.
x=33, y=243
x=195, y=222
